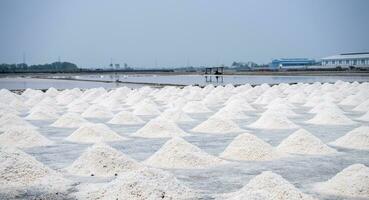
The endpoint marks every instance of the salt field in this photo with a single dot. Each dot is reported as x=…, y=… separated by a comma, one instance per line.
x=285, y=141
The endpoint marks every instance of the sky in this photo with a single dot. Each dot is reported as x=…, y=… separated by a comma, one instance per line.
x=177, y=33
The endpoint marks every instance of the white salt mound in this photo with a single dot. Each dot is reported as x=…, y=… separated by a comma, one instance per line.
x=93, y=133
x=328, y=117
x=20, y=171
x=303, y=142
x=146, y=183
x=355, y=139
x=23, y=137
x=102, y=160
x=365, y=117
x=178, y=153
x=69, y=120
x=42, y=115
x=157, y=128
x=175, y=115
x=217, y=126
x=249, y=147
x=351, y=182
x=126, y=118
x=9, y=121
x=96, y=111
x=268, y=186
x=195, y=107
x=229, y=113
x=269, y=120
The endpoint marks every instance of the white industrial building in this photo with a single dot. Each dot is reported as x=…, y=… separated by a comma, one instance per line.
x=347, y=60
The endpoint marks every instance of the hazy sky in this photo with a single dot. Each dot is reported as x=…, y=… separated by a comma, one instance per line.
x=172, y=33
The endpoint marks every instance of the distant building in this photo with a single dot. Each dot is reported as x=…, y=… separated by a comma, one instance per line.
x=292, y=63
x=347, y=60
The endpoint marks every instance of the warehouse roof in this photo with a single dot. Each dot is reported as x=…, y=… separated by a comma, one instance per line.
x=348, y=56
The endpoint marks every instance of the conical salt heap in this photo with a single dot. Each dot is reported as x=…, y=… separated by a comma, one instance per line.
x=146, y=109
x=249, y=147
x=9, y=121
x=351, y=182
x=175, y=115
x=330, y=117
x=158, y=128
x=241, y=105
x=303, y=142
x=145, y=183
x=78, y=106
x=42, y=115
x=23, y=137
x=355, y=139
x=365, y=117
x=102, y=160
x=268, y=186
x=97, y=111
x=69, y=120
x=363, y=107
x=329, y=106
x=229, y=113
x=217, y=126
x=126, y=118
x=92, y=133
x=20, y=172
x=270, y=120
x=195, y=107
x=180, y=154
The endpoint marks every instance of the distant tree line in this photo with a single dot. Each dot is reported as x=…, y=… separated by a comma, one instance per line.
x=53, y=67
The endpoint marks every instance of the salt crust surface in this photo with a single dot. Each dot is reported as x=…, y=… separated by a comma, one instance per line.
x=102, y=160
x=93, y=133
x=23, y=137
x=303, y=142
x=352, y=181
x=355, y=139
x=142, y=184
x=250, y=147
x=178, y=153
x=158, y=128
x=268, y=185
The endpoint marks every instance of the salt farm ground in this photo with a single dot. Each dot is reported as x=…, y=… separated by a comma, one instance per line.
x=302, y=141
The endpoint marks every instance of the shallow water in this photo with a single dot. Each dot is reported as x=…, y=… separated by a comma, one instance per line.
x=300, y=170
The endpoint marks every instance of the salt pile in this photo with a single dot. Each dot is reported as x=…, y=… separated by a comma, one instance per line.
x=355, y=139
x=146, y=107
x=365, y=117
x=352, y=182
x=20, y=172
x=269, y=185
x=330, y=117
x=146, y=183
x=363, y=107
x=158, y=128
x=303, y=142
x=97, y=111
x=126, y=118
x=69, y=120
x=23, y=137
x=229, y=113
x=78, y=106
x=326, y=106
x=249, y=147
x=180, y=154
x=239, y=104
x=9, y=121
x=217, y=126
x=195, y=107
x=102, y=160
x=271, y=120
x=175, y=115
x=92, y=133
x=42, y=115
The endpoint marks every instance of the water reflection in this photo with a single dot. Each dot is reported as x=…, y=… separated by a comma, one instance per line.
x=209, y=79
